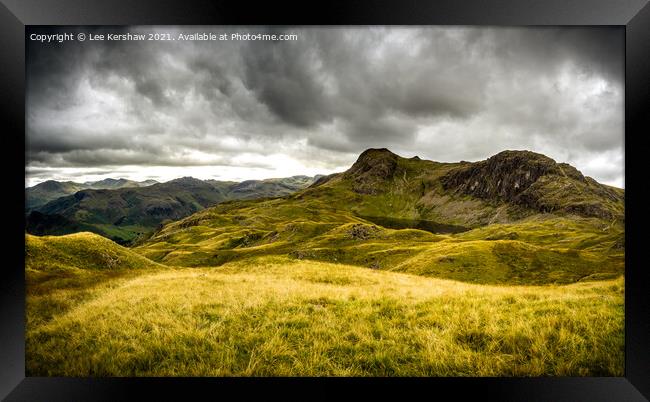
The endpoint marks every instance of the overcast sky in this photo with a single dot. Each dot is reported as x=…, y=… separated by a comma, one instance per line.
x=234, y=110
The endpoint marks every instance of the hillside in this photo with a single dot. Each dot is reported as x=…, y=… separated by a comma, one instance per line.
x=42, y=193
x=79, y=251
x=411, y=215
x=282, y=317
x=124, y=213
x=504, y=188
x=62, y=271
x=109, y=184
x=536, y=182
x=251, y=189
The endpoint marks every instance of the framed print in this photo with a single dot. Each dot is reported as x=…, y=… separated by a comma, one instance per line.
x=430, y=196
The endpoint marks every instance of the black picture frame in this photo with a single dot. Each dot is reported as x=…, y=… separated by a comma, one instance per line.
x=16, y=14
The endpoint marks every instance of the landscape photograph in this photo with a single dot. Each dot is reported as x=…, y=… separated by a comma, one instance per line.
x=419, y=201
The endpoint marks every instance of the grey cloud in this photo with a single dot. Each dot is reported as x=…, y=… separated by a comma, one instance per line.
x=473, y=90
x=107, y=157
x=285, y=78
x=541, y=51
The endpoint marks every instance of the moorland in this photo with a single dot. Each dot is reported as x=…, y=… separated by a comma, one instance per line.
x=511, y=266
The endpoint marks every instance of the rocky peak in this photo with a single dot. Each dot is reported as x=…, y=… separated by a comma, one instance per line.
x=372, y=166
x=537, y=182
x=374, y=162
x=506, y=174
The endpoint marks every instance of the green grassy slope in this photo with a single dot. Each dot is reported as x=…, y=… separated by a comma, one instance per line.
x=63, y=271
x=535, y=250
x=76, y=251
x=278, y=316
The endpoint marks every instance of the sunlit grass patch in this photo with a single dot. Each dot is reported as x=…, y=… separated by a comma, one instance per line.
x=277, y=316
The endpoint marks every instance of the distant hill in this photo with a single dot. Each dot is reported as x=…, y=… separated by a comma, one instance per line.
x=107, y=184
x=130, y=210
x=47, y=191
x=251, y=189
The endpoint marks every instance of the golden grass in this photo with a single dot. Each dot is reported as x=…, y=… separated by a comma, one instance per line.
x=275, y=316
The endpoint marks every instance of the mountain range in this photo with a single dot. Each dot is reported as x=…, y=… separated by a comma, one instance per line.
x=123, y=210
x=42, y=193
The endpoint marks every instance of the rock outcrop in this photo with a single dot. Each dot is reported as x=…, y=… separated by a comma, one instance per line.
x=534, y=181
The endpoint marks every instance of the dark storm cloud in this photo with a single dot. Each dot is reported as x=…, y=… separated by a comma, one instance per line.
x=353, y=76
x=595, y=50
x=61, y=141
x=444, y=93
x=286, y=78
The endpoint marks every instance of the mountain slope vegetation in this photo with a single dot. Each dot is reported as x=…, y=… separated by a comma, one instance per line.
x=127, y=212
x=50, y=190
x=279, y=316
x=500, y=237
x=63, y=271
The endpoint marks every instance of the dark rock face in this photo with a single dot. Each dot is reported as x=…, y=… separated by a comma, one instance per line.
x=503, y=176
x=373, y=167
x=534, y=181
